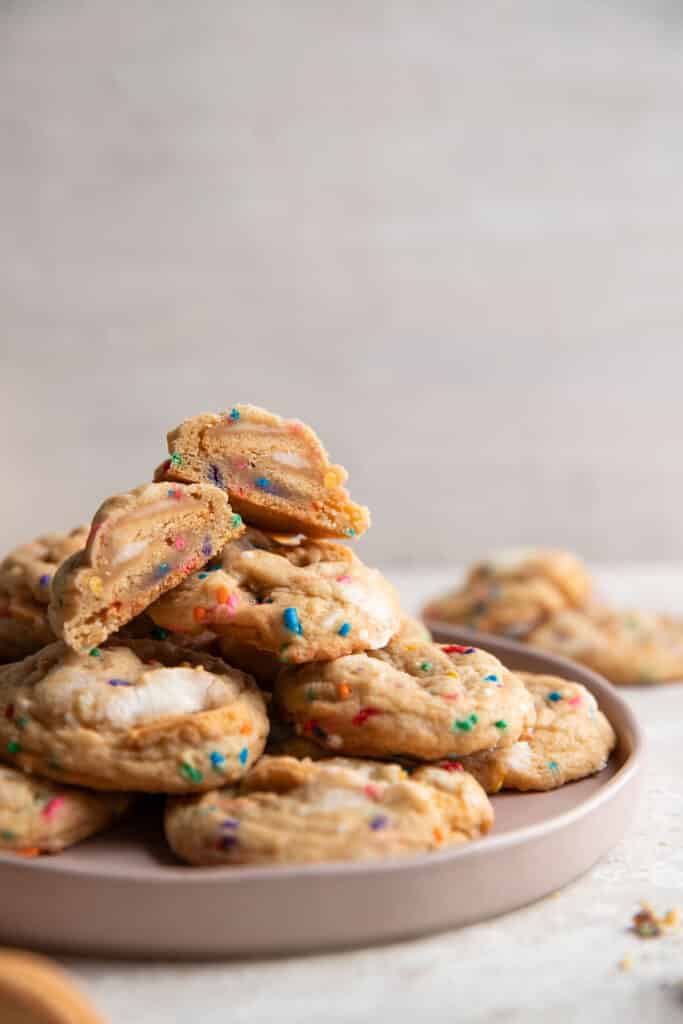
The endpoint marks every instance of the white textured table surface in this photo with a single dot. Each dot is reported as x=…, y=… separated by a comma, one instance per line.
x=555, y=960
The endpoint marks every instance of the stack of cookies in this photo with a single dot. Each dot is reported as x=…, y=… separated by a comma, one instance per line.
x=211, y=637
x=547, y=598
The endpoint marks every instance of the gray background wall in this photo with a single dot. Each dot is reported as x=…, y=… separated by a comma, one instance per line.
x=449, y=235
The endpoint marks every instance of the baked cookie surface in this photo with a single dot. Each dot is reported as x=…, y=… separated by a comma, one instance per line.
x=302, y=600
x=571, y=739
x=289, y=811
x=275, y=471
x=515, y=591
x=627, y=647
x=417, y=700
x=140, y=545
x=39, y=816
x=141, y=716
x=25, y=587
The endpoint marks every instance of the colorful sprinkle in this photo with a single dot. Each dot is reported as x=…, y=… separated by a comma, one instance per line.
x=378, y=822
x=52, y=806
x=96, y=585
x=215, y=476
x=491, y=678
x=290, y=618
x=119, y=682
x=199, y=613
x=243, y=755
x=234, y=414
x=22, y=722
x=44, y=580
x=363, y=715
x=575, y=701
x=452, y=766
x=344, y=579
x=206, y=547
x=554, y=696
x=217, y=760
x=180, y=543
x=438, y=835
x=457, y=649
x=372, y=792
x=189, y=772
x=222, y=595
x=343, y=691
x=236, y=520
x=426, y=666
x=159, y=633
x=344, y=629
x=163, y=568
x=202, y=575
x=176, y=460
x=465, y=724
x=262, y=482
x=501, y=724
x=554, y=766
x=95, y=652
x=350, y=532
x=13, y=747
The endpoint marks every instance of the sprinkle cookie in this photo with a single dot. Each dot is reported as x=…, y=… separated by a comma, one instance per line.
x=276, y=472
x=571, y=740
x=25, y=589
x=416, y=700
x=628, y=647
x=514, y=592
x=140, y=545
x=287, y=811
x=37, y=816
x=302, y=601
x=144, y=716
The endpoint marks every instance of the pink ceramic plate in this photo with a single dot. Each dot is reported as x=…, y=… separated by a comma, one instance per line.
x=123, y=894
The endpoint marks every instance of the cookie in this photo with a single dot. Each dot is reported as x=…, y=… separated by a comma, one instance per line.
x=514, y=592
x=140, y=545
x=627, y=647
x=145, y=716
x=570, y=740
x=287, y=811
x=275, y=471
x=38, y=816
x=302, y=601
x=25, y=588
x=34, y=990
x=411, y=630
x=416, y=700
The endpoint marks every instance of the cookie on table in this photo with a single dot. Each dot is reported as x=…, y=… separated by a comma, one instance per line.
x=288, y=811
x=627, y=647
x=140, y=545
x=303, y=600
x=39, y=816
x=25, y=588
x=417, y=700
x=515, y=591
x=34, y=990
x=141, y=716
x=571, y=739
x=275, y=471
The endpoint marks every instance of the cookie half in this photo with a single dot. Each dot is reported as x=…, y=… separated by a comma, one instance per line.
x=39, y=816
x=570, y=740
x=141, y=716
x=25, y=588
x=302, y=600
x=288, y=811
x=275, y=471
x=140, y=545
x=417, y=700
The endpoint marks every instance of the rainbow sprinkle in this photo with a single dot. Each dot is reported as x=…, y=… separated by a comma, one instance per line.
x=13, y=747
x=554, y=696
x=262, y=482
x=344, y=629
x=189, y=772
x=243, y=755
x=176, y=460
x=378, y=822
x=465, y=724
x=52, y=806
x=44, y=580
x=163, y=568
x=290, y=619
x=119, y=682
x=217, y=760
x=234, y=414
x=236, y=520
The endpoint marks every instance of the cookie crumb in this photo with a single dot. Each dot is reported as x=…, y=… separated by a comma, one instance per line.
x=648, y=925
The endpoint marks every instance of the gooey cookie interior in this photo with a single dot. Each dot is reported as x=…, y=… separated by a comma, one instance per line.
x=276, y=471
x=140, y=545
